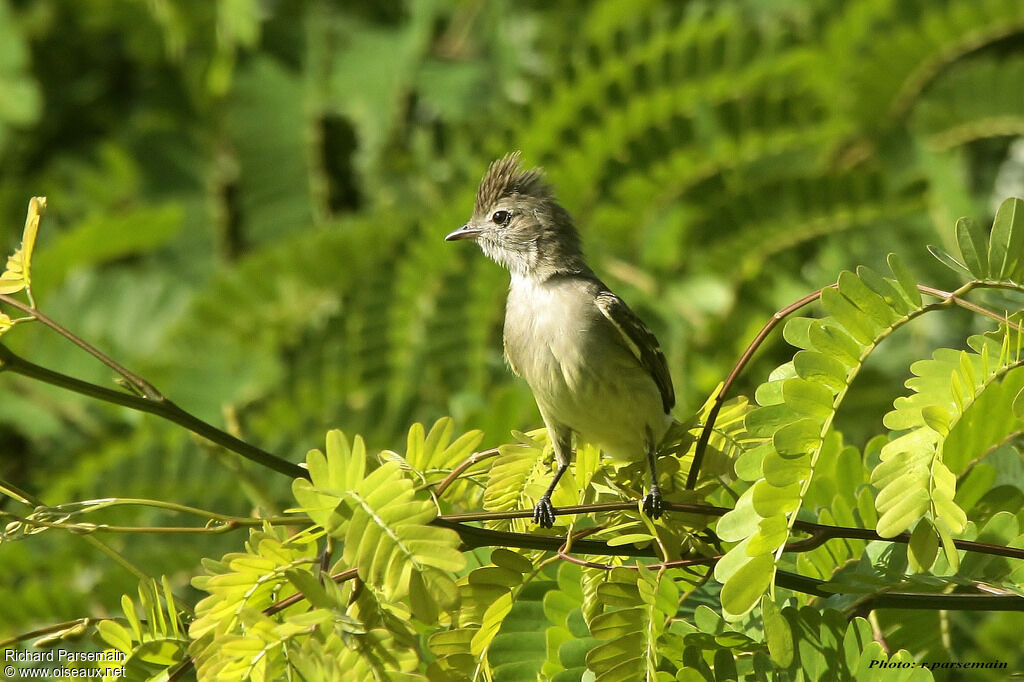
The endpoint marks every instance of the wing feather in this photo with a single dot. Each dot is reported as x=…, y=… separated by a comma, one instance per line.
x=641, y=342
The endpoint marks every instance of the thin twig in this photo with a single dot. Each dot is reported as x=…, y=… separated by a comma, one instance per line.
x=48, y=630
x=277, y=607
x=705, y=434
x=144, y=388
x=87, y=527
x=466, y=464
x=905, y=600
x=161, y=407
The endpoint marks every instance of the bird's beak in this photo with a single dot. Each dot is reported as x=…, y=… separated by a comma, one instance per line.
x=467, y=231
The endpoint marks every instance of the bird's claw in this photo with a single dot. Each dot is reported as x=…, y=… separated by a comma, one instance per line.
x=544, y=513
x=653, y=504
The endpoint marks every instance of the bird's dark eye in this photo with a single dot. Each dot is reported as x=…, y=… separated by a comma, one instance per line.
x=501, y=217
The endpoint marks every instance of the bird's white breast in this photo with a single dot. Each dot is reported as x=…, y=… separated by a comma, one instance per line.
x=582, y=374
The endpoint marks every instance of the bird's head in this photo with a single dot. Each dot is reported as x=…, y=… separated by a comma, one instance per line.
x=519, y=224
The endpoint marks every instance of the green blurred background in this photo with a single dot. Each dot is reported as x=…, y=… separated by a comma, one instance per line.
x=247, y=201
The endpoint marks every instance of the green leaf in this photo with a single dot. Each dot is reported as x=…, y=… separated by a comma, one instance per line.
x=631, y=538
x=798, y=438
x=741, y=521
x=1007, y=239
x=796, y=331
x=884, y=288
x=949, y=549
x=770, y=500
x=733, y=560
x=820, y=368
x=777, y=633
x=949, y=261
x=765, y=421
x=782, y=470
x=492, y=620
x=423, y=605
x=808, y=398
x=725, y=665
x=742, y=590
x=908, y=508
x=943, y=491
x=771, y=534
x=115, y=635
x=937, y=418
x=511, y=560
x=496, y=575
x=906, y=280
x=971, y=240
x=1018, y=404
x=874, y=306
x=923, y=547
x=832, y=341
x=859, y=325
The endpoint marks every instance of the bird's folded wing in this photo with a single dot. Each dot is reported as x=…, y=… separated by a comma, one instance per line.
x=639, y=339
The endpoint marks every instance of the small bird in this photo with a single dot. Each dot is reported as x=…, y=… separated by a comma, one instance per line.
x=594, y=368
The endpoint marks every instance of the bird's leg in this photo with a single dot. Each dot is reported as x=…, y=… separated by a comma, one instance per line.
x=652, y=501
x=544, y=513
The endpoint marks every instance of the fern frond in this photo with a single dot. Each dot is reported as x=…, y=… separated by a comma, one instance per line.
x=640, y=604
x=913, y=477
x=974, y=99
x=886, y=53
x=248, y=581
x=491, y=597
x=384, y=525
x=797, y=406
x=792, y=211
x=153, y=643
x=519, y=476
x=432, y=456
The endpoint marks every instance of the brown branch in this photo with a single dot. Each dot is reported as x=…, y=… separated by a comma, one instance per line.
x=466, y=464
x=277, y=607
x=705, y=434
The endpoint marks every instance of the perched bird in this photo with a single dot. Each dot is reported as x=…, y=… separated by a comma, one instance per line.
x=594, y=368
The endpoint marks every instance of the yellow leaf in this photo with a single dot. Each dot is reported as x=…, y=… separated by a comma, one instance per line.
x=17, y=275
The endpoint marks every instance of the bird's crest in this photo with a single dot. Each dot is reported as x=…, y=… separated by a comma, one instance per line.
x=506, y=177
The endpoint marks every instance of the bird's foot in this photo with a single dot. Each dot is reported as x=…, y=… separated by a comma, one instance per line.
x=544, y=513
x=653, y=504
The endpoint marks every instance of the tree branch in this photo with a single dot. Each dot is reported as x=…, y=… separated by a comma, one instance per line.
x=819, y=533
x=161, y=407
x=474, y=537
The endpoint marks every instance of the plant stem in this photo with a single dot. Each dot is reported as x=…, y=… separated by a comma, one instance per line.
x=947, y=297
x=30, y=499
x=161, y=407
x=705, y=434
x=143, y=387
x=820, y=533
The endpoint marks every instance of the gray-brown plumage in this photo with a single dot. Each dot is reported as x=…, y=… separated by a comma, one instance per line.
x=594, y=368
